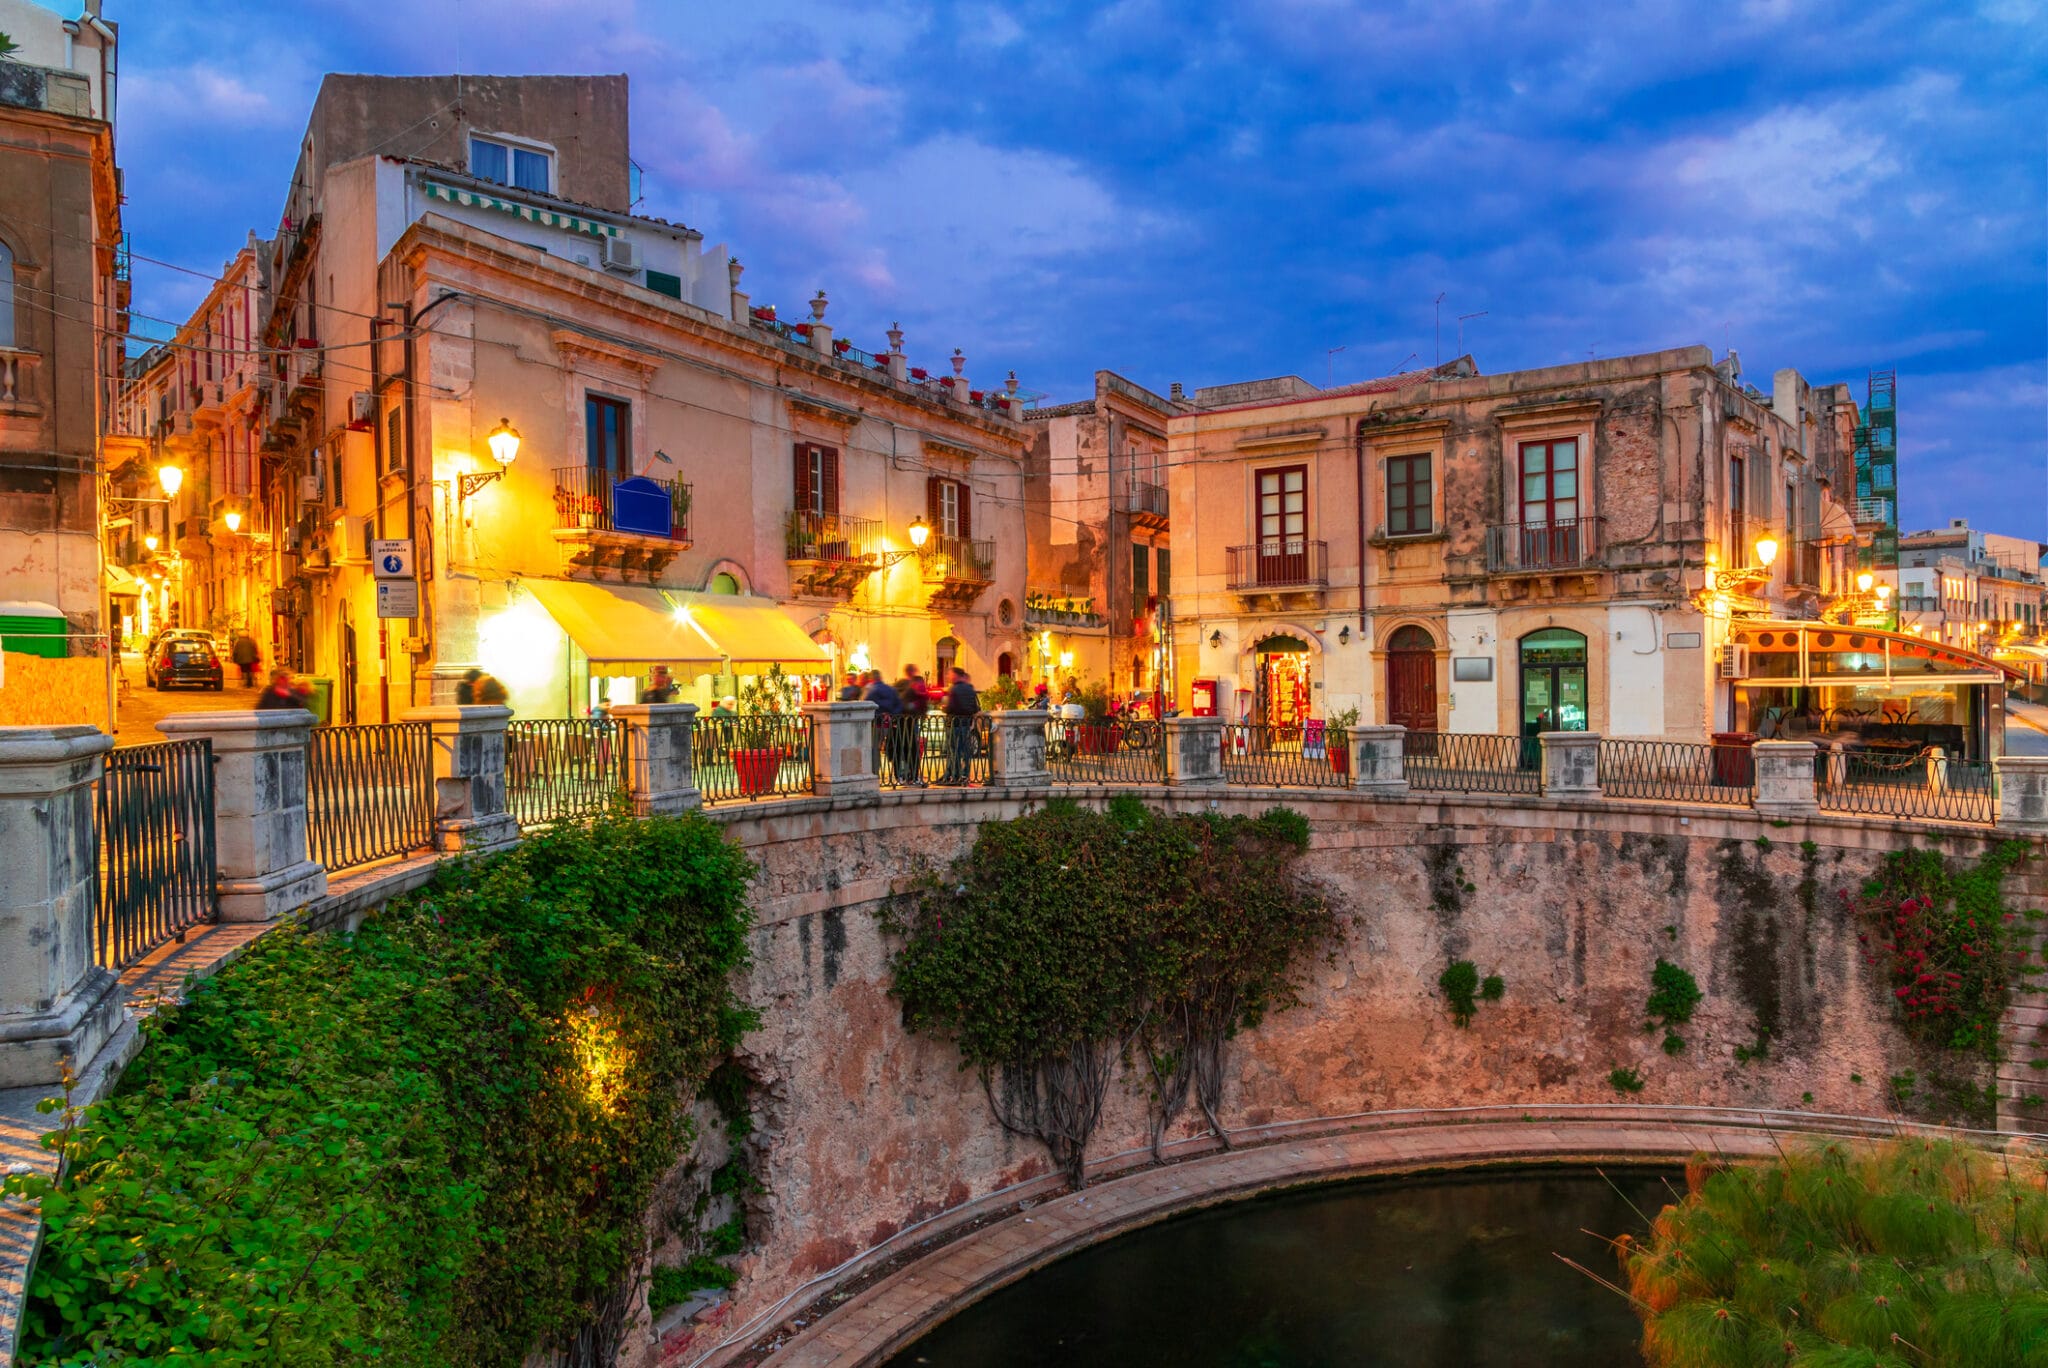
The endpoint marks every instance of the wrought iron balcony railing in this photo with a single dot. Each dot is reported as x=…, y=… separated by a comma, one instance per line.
x=1540, y=547
x=957, y=558
x=591, y=499
x=831, y=537
x=1283, y=563
x=1144, y=500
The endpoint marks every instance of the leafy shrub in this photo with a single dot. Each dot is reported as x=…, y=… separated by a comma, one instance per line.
x=1673, y=995
x=1624, y=1080
x=1460, y=985
x=1944, y=939
x=1493, y=988
x=430, y=1142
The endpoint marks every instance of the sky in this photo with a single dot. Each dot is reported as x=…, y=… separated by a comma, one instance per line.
x=1185, y=191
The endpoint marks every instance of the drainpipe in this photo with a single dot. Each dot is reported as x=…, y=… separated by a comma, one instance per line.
x=1358, y=448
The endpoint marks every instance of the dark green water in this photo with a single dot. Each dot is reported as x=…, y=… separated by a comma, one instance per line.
x=1436, y=1272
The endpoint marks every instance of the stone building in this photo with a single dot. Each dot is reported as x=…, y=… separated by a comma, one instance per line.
x=1558, y=548
x=697, y=482
x=63, y=307
x=1100, y=554
x=1982, y=591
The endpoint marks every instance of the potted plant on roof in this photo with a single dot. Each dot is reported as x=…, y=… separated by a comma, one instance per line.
x=1339, y=739
x=761, y=737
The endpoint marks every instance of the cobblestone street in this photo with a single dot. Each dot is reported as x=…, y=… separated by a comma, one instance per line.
x=139, y=708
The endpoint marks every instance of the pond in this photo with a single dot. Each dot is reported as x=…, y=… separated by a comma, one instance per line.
x=1447, y=1269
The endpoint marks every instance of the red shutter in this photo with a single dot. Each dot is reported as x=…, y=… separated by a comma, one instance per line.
x=802, y=486
x=933, y=509
x=966, y=521
x=829, y=463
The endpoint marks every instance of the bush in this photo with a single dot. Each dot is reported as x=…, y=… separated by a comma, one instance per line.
x=1944, y=938
x=427, y=1143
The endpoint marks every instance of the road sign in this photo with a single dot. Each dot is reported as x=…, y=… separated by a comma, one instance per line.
x=391, y=559
x=398, y=598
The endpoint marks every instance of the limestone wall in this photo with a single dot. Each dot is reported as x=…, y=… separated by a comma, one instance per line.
x=864, y=1131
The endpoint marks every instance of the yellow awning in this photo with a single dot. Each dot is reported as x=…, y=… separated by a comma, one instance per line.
x=754, y=633
x=622, y=626
x=121, y=583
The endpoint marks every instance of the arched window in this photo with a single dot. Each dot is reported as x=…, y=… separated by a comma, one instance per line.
x=1553, y=681
x=724, y=583
x=6, y=296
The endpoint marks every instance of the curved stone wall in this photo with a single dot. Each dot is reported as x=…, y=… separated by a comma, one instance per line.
x=871, y=1140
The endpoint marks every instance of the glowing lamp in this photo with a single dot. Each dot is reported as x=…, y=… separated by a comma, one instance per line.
x=233, y=519
x=1863, y=582
x=1884, y=591
x=920, y=532
x=1766, y=551
x=150, y=541
x=503, y=442
x=171, y=478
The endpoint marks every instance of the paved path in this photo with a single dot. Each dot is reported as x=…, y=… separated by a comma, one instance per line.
x=137, y=714
x=890, y=1315
x=2026, y=728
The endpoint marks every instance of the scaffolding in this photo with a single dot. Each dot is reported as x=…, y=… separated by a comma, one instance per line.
x=1877, y=473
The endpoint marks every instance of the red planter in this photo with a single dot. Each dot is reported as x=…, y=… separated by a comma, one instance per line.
x=1339, y=752
x=1098, y=738
x=757, y=769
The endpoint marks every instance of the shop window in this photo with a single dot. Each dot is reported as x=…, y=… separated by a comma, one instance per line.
x=1554, y=690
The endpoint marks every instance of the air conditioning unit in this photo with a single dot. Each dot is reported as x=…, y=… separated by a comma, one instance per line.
x=362, y=411
x=309, y=489
x=621, y=254
x=351, y=539
x=1734, y=661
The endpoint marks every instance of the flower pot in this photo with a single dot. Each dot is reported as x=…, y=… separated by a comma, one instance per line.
x=756, y=769
x=1098, y=738
x=1340, y=753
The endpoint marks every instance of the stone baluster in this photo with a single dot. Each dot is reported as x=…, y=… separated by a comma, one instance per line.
x=1194, y=752
x=2021, y=782
x=259, y=809
x=57, y=1006
x=1784, y=778
x=821, y=331
x=1571, y=764
x=469, y=776
x=742, y=303
x=843, y=749
x=1376, y=760
x=660, y=755
x=1018, y=760
x=899, y=364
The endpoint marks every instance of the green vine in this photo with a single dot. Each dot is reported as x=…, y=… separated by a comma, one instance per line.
x=1945, y=939
x=428, y=1143
x=1674, y=994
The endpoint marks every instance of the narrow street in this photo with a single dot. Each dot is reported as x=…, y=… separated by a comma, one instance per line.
x=2026, y=728
x=140, y=707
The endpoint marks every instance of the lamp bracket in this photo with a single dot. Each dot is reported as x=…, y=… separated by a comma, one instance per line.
x=466, y=485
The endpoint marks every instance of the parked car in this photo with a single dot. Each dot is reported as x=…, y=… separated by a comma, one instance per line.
x=153, y=653
x=188, y=660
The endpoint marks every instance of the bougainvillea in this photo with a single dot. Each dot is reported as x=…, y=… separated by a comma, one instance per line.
x=1945, y=941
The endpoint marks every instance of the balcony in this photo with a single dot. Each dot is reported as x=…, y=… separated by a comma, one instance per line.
x=1560, y=546
x=1802, y=565
x=830, y=555
x=1145, y=504
x=1292, y=565
x=633, y=527
x=956, y=569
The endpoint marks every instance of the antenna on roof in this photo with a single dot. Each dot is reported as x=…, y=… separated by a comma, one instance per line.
x=1439, y=328
x=1461, y=328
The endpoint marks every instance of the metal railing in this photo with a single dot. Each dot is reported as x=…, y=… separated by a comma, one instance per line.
x=1082, y=752
x=1802, y=564
x=830, y=537
x=957, y=558
x=1284, y=563
x=764, y=755
x=562, y=769
x=369, y=793
x=1283, y=757
x=1925, y=783
x=930, y=750
x=1677, y=771
x=1145, y=500
x=1560, y=544
x=583, y=499
x=154, y=812
x=1472, y=762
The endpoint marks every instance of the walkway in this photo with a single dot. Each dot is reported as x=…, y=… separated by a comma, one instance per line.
x=888, y=1316
x=2026, y=727
x=137, y=714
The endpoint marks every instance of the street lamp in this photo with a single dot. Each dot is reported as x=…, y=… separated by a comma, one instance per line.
x=920, y=532
x=233, y=518
x=149, y=541
x=1766, y=551
x=503, y=442
x=171, y=478
x=1863, y=582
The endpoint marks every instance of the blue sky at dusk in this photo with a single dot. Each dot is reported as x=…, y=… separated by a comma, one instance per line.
x=1204, y=193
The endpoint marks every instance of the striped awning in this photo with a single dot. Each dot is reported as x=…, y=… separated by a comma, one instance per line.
x=546, y=218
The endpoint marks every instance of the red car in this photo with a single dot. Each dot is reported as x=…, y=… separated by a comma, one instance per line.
x=186, y=660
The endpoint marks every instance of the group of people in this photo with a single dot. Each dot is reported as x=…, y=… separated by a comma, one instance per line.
x=900, y=710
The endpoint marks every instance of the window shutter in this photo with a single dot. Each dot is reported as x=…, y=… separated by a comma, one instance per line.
x=801, y=488
x=934, y=511
x=828, y=465
x=966, y=518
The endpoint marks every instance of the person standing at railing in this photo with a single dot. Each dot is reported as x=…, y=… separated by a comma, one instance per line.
x=962, y=705
x=917, y=704
x=888, y=723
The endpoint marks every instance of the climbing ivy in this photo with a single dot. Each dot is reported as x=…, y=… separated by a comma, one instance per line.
x=430, y=1142
x=1068, y=938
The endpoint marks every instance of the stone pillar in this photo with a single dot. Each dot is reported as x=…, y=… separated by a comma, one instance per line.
x=1194, y=751
x=1571, y=764
x=2021, y=782
x=469, y=776
x=742, y=305
x=259, y=809
x=56, y=1004
x=661, y=767
x=1376, y=764
x=1784, y=778
x=1018, y=760
x=843, y=749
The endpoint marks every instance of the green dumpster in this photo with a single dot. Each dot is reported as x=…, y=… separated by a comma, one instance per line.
x=322, y=700
x=35, y=629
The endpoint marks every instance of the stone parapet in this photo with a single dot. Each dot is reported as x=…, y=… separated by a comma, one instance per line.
x=1017, y=759
x=469, y=776
x=661, y=768
x=1784, y=778
x=259, y=809
x=2022, y=785
x=1571, y=764
x=1194, y=752
x=1376, y=760
x=843, y=749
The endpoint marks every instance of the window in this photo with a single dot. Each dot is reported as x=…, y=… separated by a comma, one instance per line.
x=6, y=296
x=1141, y=578
x=817, y=480
x=523, y=168
x=724, y=582
x=394, y=438
x=1550, y=481
x=608, y=436
x=1738, y=501
x=1165, y=558
x=661, y=282
x=949, y=509
x=1408, y=496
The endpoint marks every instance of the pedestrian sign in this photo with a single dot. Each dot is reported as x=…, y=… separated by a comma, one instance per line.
x=391, y=559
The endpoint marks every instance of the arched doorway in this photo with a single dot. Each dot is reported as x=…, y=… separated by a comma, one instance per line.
x=1411, y=680
x=1005, y=666
x=1553, y=681
x=1282, y=686
x=948, y=651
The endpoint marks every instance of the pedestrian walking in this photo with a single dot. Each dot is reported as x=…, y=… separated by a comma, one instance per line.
x=962, y=706
x=850, y=690
x=246, y=656
x=284, y=692
x=660, y=688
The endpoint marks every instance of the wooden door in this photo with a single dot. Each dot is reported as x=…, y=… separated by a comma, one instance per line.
x=1411, y=680
x=1283, y=525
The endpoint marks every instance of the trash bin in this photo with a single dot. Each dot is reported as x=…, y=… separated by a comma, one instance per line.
x=35, y=629
x=322, y=699
x=1734, y=766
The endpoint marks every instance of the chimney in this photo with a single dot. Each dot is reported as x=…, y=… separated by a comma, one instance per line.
x=1177, y=393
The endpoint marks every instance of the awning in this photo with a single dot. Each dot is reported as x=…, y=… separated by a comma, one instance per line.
x=121, y=584
x=625, y=627
x=547, y=218
x=1837, y=527
x=753, y=632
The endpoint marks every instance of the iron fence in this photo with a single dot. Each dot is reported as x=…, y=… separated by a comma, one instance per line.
x=913, y=752
x=1083, y=752
x=765, y=755
x=1283, y=757
x=154, y=812
x=369, y=793
x=1679, y=771
x=1472, y=762
x=1925, y=784
x=1558, y=544
x=561, y=769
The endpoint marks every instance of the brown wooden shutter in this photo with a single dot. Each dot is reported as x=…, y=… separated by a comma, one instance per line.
x=966, y=519
x=802, y=486
x=828, y=465
x=933, y=508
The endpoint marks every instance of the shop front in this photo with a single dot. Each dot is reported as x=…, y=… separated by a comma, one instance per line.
x=1283, y=683
x=1868, y=689
x=1553, y=681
